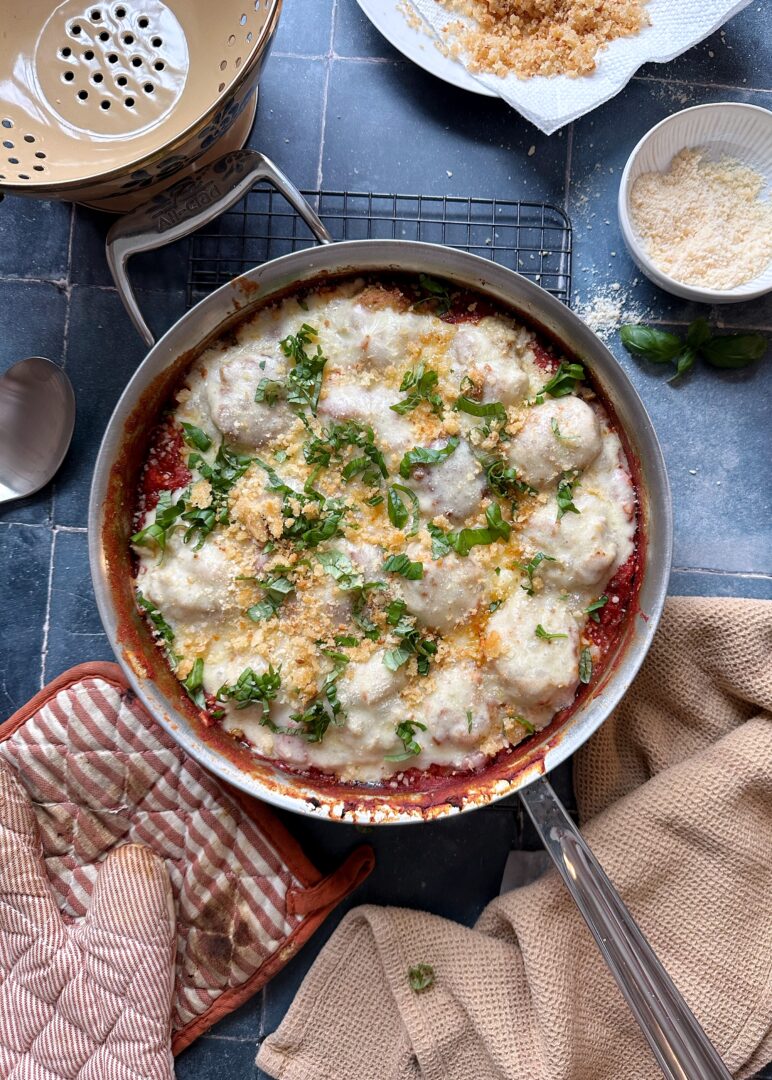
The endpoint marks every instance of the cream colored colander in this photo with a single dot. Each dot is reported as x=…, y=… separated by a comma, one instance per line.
x=99, y=100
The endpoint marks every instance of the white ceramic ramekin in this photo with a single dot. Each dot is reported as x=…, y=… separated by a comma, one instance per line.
x=726, y=128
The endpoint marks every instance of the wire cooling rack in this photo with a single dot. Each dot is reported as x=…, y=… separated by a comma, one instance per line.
x=530, y=237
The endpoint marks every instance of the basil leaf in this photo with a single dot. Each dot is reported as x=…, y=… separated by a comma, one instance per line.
x=564, y=381
x=422, y=385
x=493, y=409
x=252, y=689
x=194, y=436
x=437, y=293
x=594, y=609
x=167, y=514
x=530, y=568
x=558, y=436
x=340, y=568
x=194, y=684
x=463, y=540
x=401, y=564
x=650, y=343
x=268, y=392
x=734, y=350
x=545, y=635
x=420, y=977
x=395, y=611
x=585, y=666
x=406, y=732
x=398, y=512
x=698, y=333
x=503, y=481
x=304, y=381
x=564, y=497
x=422, y=455
x=276, y=589
x=161, y=629
x=684, y=361
x=440, y=545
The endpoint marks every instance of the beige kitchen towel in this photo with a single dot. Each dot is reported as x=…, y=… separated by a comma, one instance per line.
x=676, y=795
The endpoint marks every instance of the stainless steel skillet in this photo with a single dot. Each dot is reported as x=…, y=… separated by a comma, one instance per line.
x=678, y=1042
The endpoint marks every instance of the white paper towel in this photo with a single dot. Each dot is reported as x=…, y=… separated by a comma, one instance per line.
x=549, y=103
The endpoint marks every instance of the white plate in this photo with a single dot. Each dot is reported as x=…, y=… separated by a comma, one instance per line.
x=418, y=46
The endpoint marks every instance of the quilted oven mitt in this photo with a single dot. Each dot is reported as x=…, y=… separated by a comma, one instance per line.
x=93, y=1000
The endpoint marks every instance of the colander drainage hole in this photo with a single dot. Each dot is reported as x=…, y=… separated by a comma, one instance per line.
x=40, y=154
x=112, y=58
x=120, y=13
x=129, y=103
x=38, y=168
x=136, y=61
x=159, y=65
x=75, y=29
x=68, y=76
x=96, y=15
x=23, y=176
x=66, y=51
x=104, y=104
x=13, y=161
x=104, y=36
x=157, y=42
x=7, y=123
x=29, y=138
x=128, y=39
x=88, y=55
x=8, y=144
x=143, y=23
x=121, y=80
x=148, y=88
x=243, y=20
x=97, y=76
x=83, y=94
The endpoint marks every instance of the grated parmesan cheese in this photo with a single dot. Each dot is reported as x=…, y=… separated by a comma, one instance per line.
x=702, y=222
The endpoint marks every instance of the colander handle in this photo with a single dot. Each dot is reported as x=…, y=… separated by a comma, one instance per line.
x=187, y=206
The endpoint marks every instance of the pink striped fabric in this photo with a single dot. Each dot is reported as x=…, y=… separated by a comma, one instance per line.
x=100, y=773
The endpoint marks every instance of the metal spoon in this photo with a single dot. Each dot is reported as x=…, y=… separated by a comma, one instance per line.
x=37, y=417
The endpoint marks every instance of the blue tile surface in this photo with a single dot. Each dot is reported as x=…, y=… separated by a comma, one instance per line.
x=338, y=104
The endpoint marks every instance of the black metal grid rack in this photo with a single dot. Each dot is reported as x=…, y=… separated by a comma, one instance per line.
x=530, y=237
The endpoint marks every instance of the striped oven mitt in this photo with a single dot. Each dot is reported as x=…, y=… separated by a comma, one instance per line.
x=106, y=787
x=92, y=1000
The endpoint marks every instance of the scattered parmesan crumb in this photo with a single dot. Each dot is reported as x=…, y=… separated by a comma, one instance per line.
x=702, y=222
x=531, y=151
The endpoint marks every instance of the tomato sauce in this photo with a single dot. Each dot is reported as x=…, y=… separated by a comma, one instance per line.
x=166, y=469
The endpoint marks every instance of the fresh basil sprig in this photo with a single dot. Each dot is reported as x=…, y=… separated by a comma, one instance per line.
x=731, y=351
x=420, y=385
x=253, y=689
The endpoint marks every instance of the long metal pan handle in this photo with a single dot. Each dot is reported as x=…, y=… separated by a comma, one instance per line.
x=187, y=206
x=680, y=1046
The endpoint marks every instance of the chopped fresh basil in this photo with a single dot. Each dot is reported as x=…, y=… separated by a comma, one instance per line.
x=545, y=635
x=463, y=540
x=422, y=455
x=493, y=410
x=161, y=629
x=194, y=684
x=421, y=977
x=411, y=644
x=341, y=569
x=303, y=529
x=399, y=513
x=395, y=611
x=503, y=481
x=565, y=496
x=585, y=666
x=564, y=381
x=402, y=564
x=194, y=436
x=167, y=514
x=420, y=384
x=435, y=293
x=222, y=474
x=252, y=689
x=525, y=724
x=268, y=392
x=530, y=568
x=323, y=710
x=469, y=721
x=304, y=381
x=276, y=589
x=495, y=605
x=406, y=732
x=558, y=436
x=594, y=609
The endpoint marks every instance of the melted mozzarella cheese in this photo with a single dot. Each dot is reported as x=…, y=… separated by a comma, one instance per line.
x=338, y=635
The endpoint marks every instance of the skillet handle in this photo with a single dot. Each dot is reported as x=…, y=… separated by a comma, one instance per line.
x=682, y=1049
x=189, y=204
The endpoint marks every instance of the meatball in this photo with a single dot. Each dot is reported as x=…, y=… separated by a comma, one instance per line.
x=534, y=671
x=368, y=406
x=448, y=593
x=560, y=435
x=585, y=546
x=453, y=488
x=187, y=583
x=453, y=711
x=231, y=393
x=490, y=362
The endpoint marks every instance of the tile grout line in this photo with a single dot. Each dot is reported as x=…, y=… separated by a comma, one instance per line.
x=749, y=574
x=47, y=621
x=328, y=59
x=702, y=86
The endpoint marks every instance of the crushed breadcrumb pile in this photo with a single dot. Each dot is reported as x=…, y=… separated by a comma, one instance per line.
x=702, y=222
x=538, y=37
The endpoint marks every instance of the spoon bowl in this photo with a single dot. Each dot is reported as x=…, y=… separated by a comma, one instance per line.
x=37, y=417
